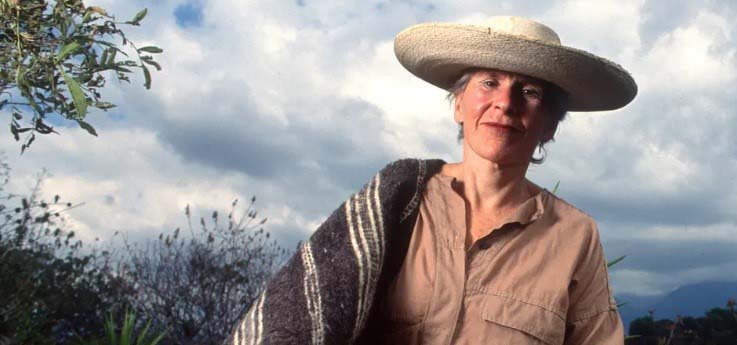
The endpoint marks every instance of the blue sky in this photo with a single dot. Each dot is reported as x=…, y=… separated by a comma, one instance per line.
x=300, y=102
x=189, y=14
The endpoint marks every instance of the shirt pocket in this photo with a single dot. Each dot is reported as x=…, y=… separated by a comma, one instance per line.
x=533, y=324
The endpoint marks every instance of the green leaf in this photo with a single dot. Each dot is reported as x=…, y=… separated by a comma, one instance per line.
x=14, y=131
x=103, y=57
x=87, y=127
x=111, y=57
x=104, y=43
x=139, y=16
x=66, y=50
x=33, y=103
x=555, y=189
x=42, y=127
x=104, y=105
x=87, y=17
x=615, y=261
x=99, y=10
x=126, y=333
x=121, y=69
x=28, y=143
x=158, y=338
x=19, y=79
x=142, y=334
x=147, y=76
x=112, y=337
x=152, y=63
x=80, y=102
x=151, y=49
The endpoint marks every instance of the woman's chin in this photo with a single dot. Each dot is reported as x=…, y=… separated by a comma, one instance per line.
x=500, y=155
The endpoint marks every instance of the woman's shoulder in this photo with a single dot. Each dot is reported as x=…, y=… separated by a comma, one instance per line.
x=568, y=215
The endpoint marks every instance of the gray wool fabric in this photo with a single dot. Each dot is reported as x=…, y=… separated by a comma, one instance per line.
x=326, y=292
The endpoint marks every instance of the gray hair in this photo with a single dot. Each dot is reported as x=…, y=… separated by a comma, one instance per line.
x=555, y=101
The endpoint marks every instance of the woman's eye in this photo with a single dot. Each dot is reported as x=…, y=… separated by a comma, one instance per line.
x=534, y=93
x=490, y=83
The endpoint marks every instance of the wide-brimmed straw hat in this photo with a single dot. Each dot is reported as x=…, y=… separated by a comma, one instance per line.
x=439, y=53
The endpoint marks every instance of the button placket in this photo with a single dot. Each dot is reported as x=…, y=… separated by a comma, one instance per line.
x=493, y=242
x=453, y=258
x=474, y=273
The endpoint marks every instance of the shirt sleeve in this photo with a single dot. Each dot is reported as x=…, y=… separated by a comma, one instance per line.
x=592, y=314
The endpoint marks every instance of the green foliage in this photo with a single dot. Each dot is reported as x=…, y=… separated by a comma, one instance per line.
x=55, y=56
x=50, y=288
x=615, y=261
x=129, y=333
x=555, y=188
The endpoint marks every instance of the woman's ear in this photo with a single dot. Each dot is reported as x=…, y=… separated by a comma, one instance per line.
x=457, y=114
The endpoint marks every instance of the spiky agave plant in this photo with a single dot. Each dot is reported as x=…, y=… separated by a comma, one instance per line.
x=126, y=335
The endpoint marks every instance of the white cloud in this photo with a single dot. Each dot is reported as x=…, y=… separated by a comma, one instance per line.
x=129, y=181
x=380, y=80
x=649, y=283
x=692, y=57
x=142, y=200
x=642, y=283
x=609, y=28
x=723, y=232
x=667, y=169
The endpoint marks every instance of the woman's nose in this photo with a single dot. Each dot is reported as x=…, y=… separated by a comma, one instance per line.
x=504, y=99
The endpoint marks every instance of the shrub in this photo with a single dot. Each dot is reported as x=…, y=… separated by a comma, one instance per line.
x=198, y=283
x=50, y=290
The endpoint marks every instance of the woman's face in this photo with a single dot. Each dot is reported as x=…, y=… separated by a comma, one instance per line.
x=503, y=116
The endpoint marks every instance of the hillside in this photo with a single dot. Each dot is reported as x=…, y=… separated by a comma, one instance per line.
x=688, y=300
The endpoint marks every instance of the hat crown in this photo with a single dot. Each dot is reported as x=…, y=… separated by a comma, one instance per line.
x=523, y=27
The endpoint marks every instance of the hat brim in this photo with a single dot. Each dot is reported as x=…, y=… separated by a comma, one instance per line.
x=439, y=53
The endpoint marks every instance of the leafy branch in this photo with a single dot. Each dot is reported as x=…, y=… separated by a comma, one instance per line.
x=55, y=57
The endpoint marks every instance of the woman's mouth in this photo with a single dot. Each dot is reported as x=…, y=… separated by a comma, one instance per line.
x=501, y=127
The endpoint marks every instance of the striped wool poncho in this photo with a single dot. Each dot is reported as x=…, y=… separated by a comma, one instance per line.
x=326, y=292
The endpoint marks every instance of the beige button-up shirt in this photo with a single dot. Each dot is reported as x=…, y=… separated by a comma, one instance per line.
x=540, y=278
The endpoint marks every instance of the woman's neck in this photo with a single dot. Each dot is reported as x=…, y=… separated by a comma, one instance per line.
x=491, y=192
x=490, y=186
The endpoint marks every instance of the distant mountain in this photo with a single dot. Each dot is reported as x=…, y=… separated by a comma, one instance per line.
x=688, y=300
x=636, y=306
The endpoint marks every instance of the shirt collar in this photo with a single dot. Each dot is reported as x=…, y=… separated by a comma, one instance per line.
x=530, y=210
x=526, y=213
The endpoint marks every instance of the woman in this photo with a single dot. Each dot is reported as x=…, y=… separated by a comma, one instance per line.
x=469, y=252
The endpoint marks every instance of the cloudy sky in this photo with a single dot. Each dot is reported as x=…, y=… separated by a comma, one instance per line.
x=300, y=102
